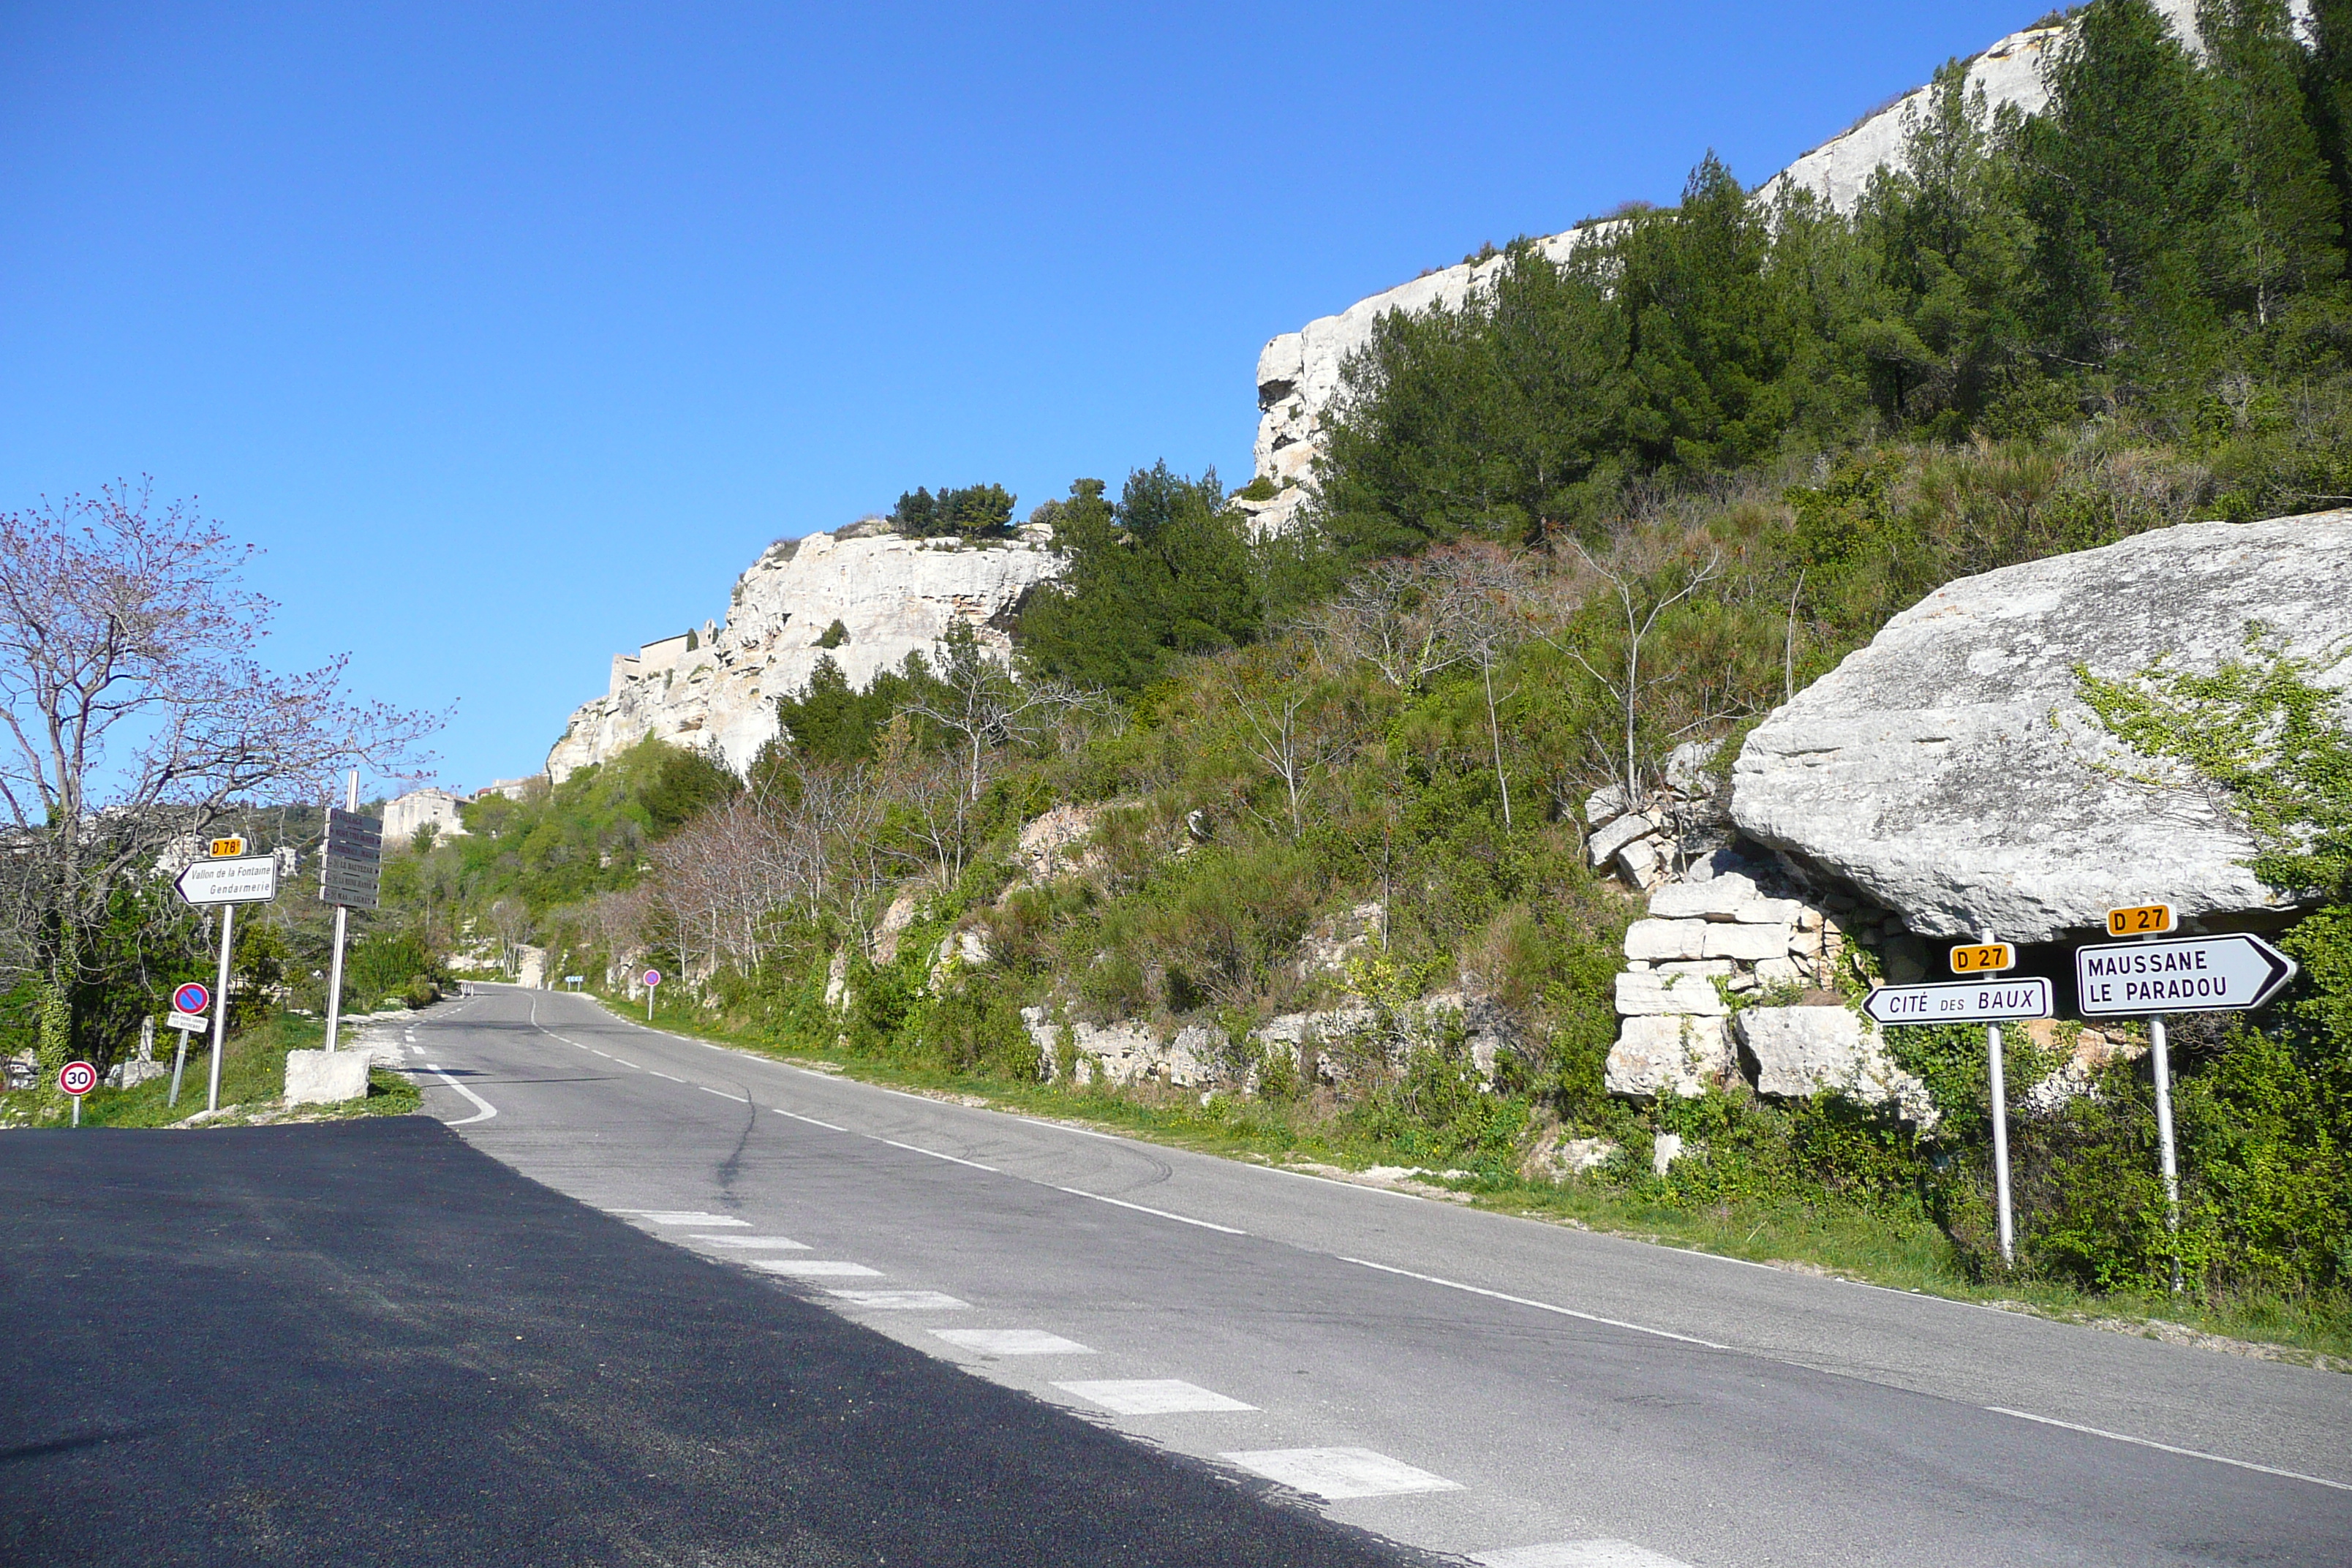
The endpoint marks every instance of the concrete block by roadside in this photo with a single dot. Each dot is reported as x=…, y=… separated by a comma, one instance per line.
x=326, y=1077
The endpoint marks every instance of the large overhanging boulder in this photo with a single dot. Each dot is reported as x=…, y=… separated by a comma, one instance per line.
x=1951, y=772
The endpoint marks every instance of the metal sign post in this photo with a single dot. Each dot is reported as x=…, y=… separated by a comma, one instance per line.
x=652, y=979
x=1988, y=1001
x=1993, y=954
x=188, y=1005
x=77, y=1078
x=2000, y=1093
x=350, y=864
x=237, y=879
x=2159, y=975
x=220, y=1014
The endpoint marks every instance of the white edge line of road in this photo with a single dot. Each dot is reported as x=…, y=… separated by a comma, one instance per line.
x=2169, y=1448
x=487, y=1110
x=1540, y=1306
x=934, y=1153
x=1139, y=1208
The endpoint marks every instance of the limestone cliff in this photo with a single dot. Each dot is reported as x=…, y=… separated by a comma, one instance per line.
x=892, y=596
x=1298, y=372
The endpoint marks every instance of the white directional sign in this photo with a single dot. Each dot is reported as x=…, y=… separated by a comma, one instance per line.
x=2192, y=974
x=244, y=879
x=1968, y=1001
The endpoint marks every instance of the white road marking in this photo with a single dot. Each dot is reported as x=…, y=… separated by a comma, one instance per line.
x=594, y=1052
x=934, y=1153
x=756, y=1243
x=812, y=1121
x=1163, y=1214
x=631, y=1065
x=682, y=1216
x=1151, y=1395
x=743, y=1099
x=1538, y=1305
x=811, y=1268
x=902, y=1301
x=1578, y=1554
x=658, y=1073
x=1010, y=1342
x=487, y=1110
x=1335, y=1474
x=2166, y=1448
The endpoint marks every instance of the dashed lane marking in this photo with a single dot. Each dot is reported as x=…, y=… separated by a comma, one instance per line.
x=741, y=1099
x=658, y=1073
x=631, y=1065
x=1538, y=1305
x=754, y=1243
x=1335, y=1475
x=812, y=1121
x=901, y=1301
x=816, y=1268
x=1578, y=1554
x=682, y=1216
x=2168, y=1448
x=1139, y=1208
x=1010, y=1342
x=1151, y=1395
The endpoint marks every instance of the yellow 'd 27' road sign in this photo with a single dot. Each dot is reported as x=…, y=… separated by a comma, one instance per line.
x=2141, y=919
x=1985, y=957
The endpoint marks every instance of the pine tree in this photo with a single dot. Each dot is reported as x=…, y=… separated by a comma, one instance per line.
x=2277, y=234
x=2120, y=180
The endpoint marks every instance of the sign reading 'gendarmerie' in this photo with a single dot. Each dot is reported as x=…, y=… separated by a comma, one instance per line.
x=2193, y=974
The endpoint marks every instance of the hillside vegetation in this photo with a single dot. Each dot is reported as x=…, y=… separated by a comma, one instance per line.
x=1612, y=505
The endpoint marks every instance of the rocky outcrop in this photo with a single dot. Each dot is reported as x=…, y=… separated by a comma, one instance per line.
x=1800, y=1051
x=1951, y=772
x=434, y=808
x=1298, y=372
x=889, y=596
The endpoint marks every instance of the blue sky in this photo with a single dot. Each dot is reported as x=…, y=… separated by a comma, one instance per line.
x=513, y=333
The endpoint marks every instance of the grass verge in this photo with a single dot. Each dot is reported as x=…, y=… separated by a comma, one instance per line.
x=1858, y=1245
x=252, y=1087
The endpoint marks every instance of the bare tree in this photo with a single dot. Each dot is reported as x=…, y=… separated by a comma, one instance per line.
x=1646, y=587
x=1485, y=591
x=1291, y=729
x=1400, y=617
x=978, y=702
x=132, y=713
x=510, y=923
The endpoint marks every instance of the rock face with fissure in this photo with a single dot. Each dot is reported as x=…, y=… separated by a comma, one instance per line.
x=1951, y=772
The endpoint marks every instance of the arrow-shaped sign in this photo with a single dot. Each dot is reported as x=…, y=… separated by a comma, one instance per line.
x=242, y=879
x=1968, y=1001
x=2192, y=974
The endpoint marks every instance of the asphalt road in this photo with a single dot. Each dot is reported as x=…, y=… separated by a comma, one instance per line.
x=1459, y=1382
x=365, y=1342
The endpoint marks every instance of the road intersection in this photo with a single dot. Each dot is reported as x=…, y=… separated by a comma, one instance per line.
x=1458, y=1381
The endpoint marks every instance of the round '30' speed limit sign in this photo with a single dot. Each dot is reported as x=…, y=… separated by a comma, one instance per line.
x=77, y=1079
